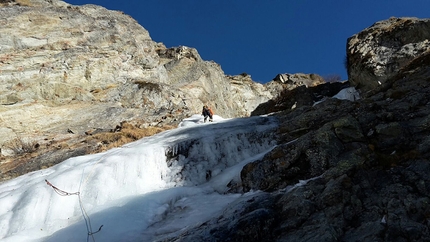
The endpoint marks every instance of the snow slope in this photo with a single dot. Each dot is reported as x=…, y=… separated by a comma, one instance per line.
x=152, y=188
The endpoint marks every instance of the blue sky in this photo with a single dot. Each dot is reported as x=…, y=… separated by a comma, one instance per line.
x=264, y=38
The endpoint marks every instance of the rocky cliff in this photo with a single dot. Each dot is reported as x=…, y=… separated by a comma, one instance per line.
x=345, y=170
x=83, y=79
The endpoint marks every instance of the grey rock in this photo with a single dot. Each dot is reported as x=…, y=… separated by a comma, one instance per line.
x=348, y=130
x=376, y=54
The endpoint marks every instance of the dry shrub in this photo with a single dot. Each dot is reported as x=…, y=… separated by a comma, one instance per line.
x=110, y=140
x=23, y=2
x=136, y=133
x=21, y=146
x=128, y=133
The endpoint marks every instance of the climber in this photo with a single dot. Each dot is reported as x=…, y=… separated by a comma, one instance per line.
x=207, y=112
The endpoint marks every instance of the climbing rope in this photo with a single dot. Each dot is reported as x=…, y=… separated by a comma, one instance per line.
x=60, y=192
x=84, y=213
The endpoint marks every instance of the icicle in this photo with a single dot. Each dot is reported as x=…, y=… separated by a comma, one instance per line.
x=175, y=150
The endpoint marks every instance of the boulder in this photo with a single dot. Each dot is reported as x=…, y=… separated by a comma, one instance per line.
x=377, y=53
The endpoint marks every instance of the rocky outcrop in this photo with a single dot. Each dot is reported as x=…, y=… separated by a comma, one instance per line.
x=343, y=170
x=365, y=162
x=299, y=79
x=301, y=96
x=250, y=94
x=377, y=53
x=205, y=82
x=63, y=66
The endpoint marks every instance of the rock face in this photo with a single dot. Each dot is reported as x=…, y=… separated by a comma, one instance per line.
x=88, y=68
x=60, y=65
x=342, y=170
x=300, y=96
x=249, y=94
x=377, y=53
x=70, y=72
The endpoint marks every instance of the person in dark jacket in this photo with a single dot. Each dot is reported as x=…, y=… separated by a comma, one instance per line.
x=207, y=113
